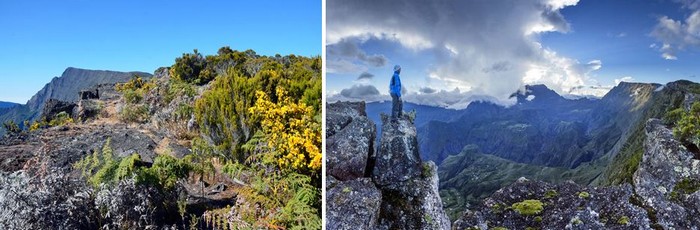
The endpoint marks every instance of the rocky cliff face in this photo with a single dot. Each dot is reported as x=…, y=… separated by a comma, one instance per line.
x=402, y=192
x=668, y=179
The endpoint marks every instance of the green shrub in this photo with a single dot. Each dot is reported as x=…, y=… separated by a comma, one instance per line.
x=134, y=113
x=135, y=89
x=11, y=126
x=683, y=187
x=133, y=97
x=673, y=116
x=687, y=123
x=165, y=172
x=188, y=68
x=61, y=119
x=102, y=167
x=426, y=170
x=528, y=207
x=177, y=88
x=183, y=111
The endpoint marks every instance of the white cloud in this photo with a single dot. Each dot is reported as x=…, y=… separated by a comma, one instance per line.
x=482, y=47
x=678, y=35
x=624, y=79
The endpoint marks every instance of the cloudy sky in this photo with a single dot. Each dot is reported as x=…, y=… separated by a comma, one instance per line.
x=454, y=52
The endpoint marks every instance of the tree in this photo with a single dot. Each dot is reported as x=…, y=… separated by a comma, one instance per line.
x=11, y=126
x=188, y=68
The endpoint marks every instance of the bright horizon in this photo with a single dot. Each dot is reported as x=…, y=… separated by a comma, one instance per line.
x=43, y=38
x=453, y=53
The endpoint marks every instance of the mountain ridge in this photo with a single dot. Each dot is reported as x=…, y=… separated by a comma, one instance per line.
x=65, y=88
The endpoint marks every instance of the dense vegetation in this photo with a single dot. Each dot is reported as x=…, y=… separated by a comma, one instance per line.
x=262, y=115
x=133, y=93
x=254, y=119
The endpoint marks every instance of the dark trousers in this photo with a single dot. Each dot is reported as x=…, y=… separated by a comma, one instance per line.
x=396, y=107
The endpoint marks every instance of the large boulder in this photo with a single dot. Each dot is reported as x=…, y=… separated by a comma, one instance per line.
x=541, y=205
x=353, y=204
x=398, y=159
x=349, y=140
x=53, y=107
x=668, y=179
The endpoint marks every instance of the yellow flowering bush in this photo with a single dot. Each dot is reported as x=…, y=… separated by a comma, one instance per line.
x=293, y=131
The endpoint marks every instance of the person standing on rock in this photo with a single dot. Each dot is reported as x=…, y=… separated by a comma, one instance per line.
x=395, y=91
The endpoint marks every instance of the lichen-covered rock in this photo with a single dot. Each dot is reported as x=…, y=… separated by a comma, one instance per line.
x=668, y=167
x=351, y=143
x=45, y=200
x=353, y=204
x=402, y=193
x=397, y=159
x=340, y=114
x=416, y=205
x=541, y=205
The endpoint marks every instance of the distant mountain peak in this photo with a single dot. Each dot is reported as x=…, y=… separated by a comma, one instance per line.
x=537, y=92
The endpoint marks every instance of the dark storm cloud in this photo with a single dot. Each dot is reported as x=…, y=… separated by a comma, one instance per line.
x=349, y=51
x=359, y=91
x=365, y=76
x=427, y=90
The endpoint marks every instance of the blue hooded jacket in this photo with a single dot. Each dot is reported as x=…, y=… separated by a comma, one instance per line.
x=395, y=84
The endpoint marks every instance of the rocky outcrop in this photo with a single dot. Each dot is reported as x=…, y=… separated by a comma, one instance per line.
x=353, y=204
x=402, y=192
x=398, y=159
x=349, y=140
x=541, y=205
x=668, y=179
x=54, y=107
x=410, y=198
x=65, y=145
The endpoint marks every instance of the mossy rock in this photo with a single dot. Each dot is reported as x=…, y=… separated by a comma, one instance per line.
x=528, y=207
x=584, y=195
x=551, y=194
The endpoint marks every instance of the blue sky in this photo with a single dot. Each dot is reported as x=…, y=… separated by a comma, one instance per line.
x=41, y=38
x=455, y=52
